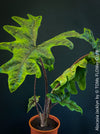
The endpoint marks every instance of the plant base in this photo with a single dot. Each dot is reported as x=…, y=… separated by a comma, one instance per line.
x=52, y=128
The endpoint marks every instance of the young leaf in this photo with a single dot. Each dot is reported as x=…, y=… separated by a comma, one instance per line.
x=31, y=103
x=26, y=54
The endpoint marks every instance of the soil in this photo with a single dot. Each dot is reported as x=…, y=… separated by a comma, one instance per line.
x=51, y=124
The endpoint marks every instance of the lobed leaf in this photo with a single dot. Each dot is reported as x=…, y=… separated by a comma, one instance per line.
x=76, y=72
x=26, y=54
x=21, y=63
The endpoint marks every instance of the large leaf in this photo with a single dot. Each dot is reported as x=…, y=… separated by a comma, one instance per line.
x=26, y=54
x=21, y=63
x=76, y=73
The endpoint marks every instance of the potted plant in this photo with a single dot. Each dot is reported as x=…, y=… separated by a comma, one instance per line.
x=27, y=59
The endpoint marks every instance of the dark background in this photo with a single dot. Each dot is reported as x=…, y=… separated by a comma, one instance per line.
x=58, y=17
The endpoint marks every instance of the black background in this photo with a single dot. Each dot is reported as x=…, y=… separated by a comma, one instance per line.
x=58, y=17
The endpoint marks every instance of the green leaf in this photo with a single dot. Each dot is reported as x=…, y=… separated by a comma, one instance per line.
x=88, y=36
x=72, y=106
x=81, y=77
x=98, y=45
x=71, y=87
x=64, y=100
x=26, y=54
x=93, y=57
x=72, y=74
x=76, y=73
x=22, y=62
x=31, y=103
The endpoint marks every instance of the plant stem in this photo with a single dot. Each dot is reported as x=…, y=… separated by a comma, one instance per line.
x=53, y=105
x=46, y=85
x=45, y=77
x=35, y=96
x=80, y=59
x=55, y=87
x=47, y=100
x=45, y=114
x=40, y=107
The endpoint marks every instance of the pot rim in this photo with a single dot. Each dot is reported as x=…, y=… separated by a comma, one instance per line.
x=50, y=116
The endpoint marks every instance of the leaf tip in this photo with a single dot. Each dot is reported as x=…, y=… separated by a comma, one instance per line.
x=81, y=111
x=13, y=17
x=27, y=110
x=34, y=17
x=12, y=88
x=38, y=75
x=5, y=27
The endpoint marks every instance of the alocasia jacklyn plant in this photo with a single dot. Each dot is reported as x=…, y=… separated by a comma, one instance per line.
x=28, y=57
